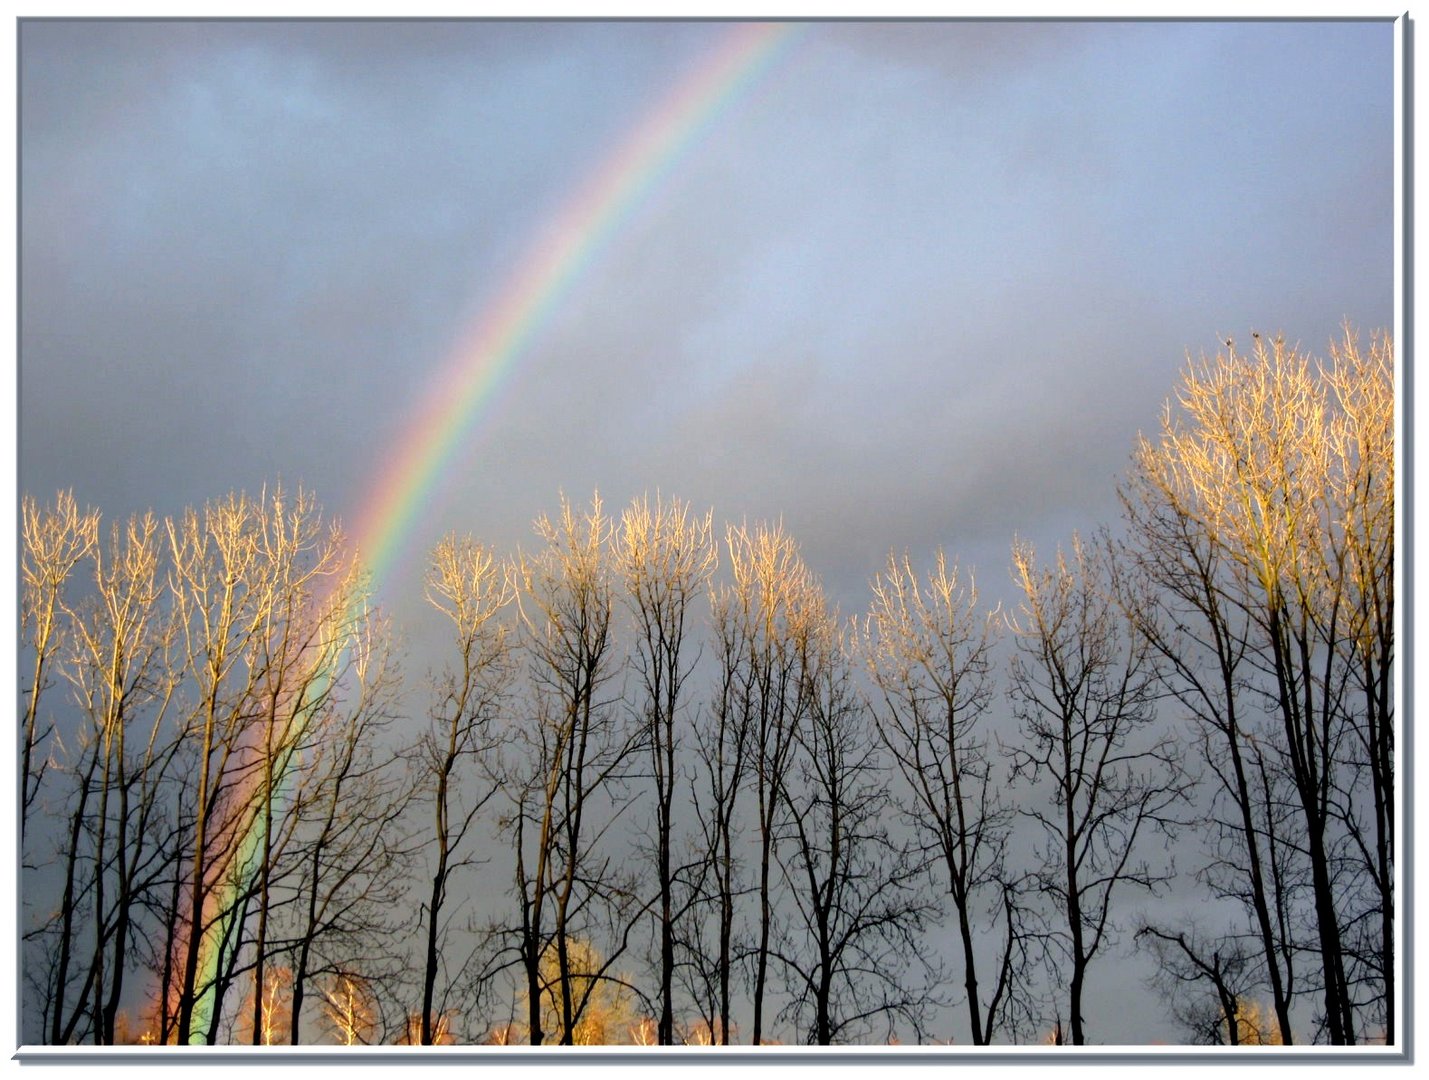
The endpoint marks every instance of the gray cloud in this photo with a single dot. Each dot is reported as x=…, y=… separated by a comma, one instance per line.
x=922, y=259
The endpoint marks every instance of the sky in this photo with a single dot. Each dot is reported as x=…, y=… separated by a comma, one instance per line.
x=917, y=285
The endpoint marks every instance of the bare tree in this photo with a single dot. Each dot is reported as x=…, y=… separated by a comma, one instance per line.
x=1175, y=590
x=121, y=670
x=163, y=943
x=214, y=556
x=117, y=663
x=468, y=585
x=857, y=889
x=1205, y=982
x=353, y=850
x=775, y=597
x=724, y=745
x=56, y=939
x=261, y=590
x=1361, y=433
x=273, y=1010
x=606, y=1005
x=1256, y=424
x=1275, y=479
x=665, y=557
x=307, y=588
x=53, y=541
x=928, y=648
x=350, y=1010
x=573, y=754
x=173, y=845
x=1084, y=689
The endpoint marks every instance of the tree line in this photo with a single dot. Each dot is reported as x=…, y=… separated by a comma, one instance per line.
x=665, y=792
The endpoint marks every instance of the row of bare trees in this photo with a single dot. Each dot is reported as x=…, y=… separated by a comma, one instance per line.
x=213, y=773
x=666, y=789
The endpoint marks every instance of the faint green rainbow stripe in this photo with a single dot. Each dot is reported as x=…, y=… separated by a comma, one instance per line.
x=242, y=864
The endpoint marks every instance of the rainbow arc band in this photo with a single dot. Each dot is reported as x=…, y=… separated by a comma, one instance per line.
x=459, y=397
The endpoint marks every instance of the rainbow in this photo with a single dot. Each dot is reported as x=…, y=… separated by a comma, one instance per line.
x=460, y=395
x=333, y=618
x=456, y=399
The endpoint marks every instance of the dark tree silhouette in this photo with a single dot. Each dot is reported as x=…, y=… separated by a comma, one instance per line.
x=1097, y=776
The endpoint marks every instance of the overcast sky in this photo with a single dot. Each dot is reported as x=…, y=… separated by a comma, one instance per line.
x=921, y=286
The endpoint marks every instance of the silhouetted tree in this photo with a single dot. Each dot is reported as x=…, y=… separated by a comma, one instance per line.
x=354, y=851
x=570, y=758
x=929, y=649
x=261, y=589
x=858, y=890
x=1203, y=981
x=1263, y=513
x=724, y=745
x=468, y=585
x=1084, y=689
x=777, y=601
x=664, y=556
